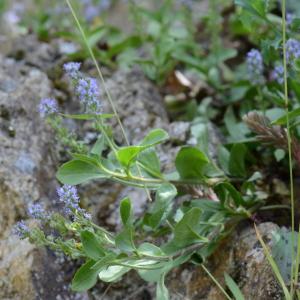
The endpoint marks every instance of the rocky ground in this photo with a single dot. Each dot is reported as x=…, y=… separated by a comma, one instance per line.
x=29, y=157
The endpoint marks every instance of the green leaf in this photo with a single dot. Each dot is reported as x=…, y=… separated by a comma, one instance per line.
x=190, y=163
x=292, y=115
x=154, y=137
x=163, y=200
x=235, y=290
x=223, y=158
x=150, y=250
x=255, y=7
x=99, y=146
x=112, y=273
x=149, y=161
x=126, y=212
x=77, y=171
x=91, y=245
x=124, y=240
x=104, y=261
x=161, y=290
x=228, y=195
x=85, y=277
x=186, y=231
x=88, y=116
x=237, y=160
x=126, y=155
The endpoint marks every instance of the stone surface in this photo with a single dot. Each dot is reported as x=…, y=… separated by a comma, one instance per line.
x=241, y=256
x=27, y=168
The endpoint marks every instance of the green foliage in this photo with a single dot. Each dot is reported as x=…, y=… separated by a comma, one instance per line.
x=78, y=171
x=85, y=277
x=190, y=163
x=235, y=290
x=219, y=191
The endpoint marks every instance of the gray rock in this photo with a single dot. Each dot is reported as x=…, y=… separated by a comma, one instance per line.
x=27, y=174
x=241, y=256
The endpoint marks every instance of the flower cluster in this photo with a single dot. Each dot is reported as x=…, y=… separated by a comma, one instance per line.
x=36, y=211
x=255, y=67
x=292, y=50
x=86, y=88
x=278, y=74
x=47, y=107
x=88, y=93
x=21, y=229
x=72, y=69
x=68, y=195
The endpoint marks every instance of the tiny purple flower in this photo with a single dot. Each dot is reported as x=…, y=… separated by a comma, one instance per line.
x=255, y=66
x=21, y=229
x=278, y=74
x=88, y=92
x=36, y=211
x=292, y=50
x=72, y=69
x=91, y=10
x=289, y=18
x=69, y=197
x=47, y=107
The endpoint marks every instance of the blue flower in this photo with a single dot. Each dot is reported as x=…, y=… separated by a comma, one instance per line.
x=255, y=66
x=21, y=229
x=292, y=50
x=36, y=211
x=68, y=195
x=278, y=74
x=92, y=10
x=72, y=69
x=289, y=18
x=47, y=107
x=88, y=92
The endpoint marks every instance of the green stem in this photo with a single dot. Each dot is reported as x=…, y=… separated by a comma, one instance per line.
x=261, y=99
x=98, y=70
x=216, y=282
x=289, y=141
x=297, y=259
x=103, y=83
x=103, y=130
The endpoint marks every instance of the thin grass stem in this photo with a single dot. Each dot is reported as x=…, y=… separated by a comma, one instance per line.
x=103, y=84
x=286, y=100
x=216, y=282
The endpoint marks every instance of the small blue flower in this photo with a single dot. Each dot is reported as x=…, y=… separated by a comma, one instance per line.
x=36, y=211
x=21, y=229
x=292, y=50
x=47, y=107
x=68, y=195
x=88, y=92
x=278, y=74
x=289, y=18
x=255, y=67
x=91, y=10
x=72, y=69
